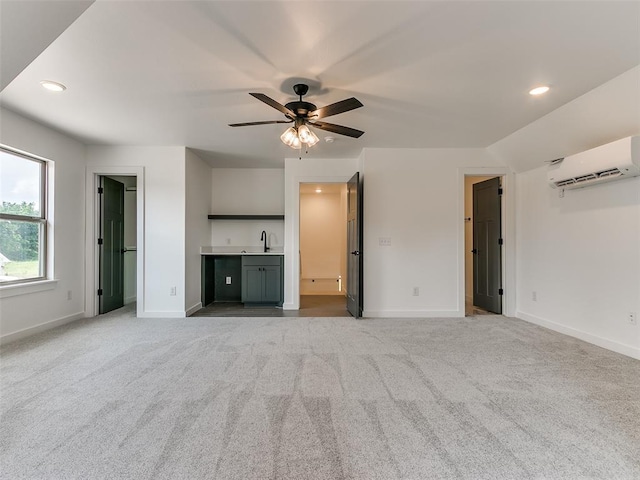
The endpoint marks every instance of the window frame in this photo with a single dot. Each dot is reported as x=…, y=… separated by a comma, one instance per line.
x=41, y=220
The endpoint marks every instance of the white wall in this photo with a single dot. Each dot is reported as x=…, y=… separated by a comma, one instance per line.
x=308, y=170
x=581, y=255
x=130, y=230
x=414, y=197
x=197, y=228
x=164, y=221
x=22, y=313
x=244, y=191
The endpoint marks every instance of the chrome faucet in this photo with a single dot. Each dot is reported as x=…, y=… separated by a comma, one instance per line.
x=264, y=237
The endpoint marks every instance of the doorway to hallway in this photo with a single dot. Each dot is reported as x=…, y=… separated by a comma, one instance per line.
x=323, y=247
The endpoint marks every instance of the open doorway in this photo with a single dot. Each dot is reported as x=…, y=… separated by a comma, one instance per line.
x=134, y=199
x=323, y=248
x=483, y=245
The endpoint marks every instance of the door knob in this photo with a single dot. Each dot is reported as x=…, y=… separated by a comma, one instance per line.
x=355, y=252
x=474, y=251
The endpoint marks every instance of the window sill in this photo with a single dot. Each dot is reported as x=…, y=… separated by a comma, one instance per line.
x=26, y=288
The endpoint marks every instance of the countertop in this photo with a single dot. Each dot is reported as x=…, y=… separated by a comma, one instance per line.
x=228, y=250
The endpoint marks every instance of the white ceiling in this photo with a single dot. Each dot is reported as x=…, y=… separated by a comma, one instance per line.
x=430, y=74
x=28, y=27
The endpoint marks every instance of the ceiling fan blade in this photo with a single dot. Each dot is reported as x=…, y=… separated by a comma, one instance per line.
x=332, y=127
x=268, y=122
x=272, y=103
x=336, y=108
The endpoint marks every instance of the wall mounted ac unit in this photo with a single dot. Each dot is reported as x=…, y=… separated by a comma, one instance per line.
x=613, y=161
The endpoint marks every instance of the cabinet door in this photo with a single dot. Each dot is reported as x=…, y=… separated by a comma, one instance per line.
x=252, y=284
x=272, y=288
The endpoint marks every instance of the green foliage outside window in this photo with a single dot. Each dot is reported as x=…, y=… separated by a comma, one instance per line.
x=19, y=241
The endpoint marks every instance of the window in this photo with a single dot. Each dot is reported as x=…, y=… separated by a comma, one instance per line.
x=23, y=217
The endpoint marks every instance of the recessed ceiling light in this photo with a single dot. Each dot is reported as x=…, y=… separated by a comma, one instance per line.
x=318, y=190
x=539, y=90
x=53, y=86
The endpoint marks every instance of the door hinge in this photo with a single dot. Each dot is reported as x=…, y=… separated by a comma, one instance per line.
x=99, y=291
x=499, y=190
x=100, y=241
x=100, y=190
x=500, y=291
x=500, y=241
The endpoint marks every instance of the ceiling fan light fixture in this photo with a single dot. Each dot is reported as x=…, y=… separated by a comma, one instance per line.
x=288, y=136
x=296, y=144
x=312, y=140
x=304, y=134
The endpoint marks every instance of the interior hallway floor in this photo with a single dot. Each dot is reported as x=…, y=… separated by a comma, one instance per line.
x=470, y=310
x=484, y=397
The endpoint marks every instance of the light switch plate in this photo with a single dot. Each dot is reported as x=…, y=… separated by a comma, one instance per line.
x=384, y=241
x=228, y=280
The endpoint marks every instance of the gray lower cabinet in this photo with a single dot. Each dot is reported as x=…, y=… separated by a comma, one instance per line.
x=262, y=279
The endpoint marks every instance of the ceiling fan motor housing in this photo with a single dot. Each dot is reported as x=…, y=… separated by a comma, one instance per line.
x=300, y=108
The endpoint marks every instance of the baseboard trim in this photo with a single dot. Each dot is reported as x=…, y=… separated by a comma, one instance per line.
x=290, y=306
x=614, y=346
x=194, y=309
x=413, y=314
x=42, y=327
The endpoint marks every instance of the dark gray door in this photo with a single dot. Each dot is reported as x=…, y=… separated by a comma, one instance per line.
x=354, y=246
x=487, y=240
x=111, y=244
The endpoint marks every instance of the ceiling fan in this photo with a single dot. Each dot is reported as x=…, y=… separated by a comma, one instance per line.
x=304, y=114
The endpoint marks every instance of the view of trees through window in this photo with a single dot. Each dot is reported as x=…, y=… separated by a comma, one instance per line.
x=20, y=241
x=22, y=220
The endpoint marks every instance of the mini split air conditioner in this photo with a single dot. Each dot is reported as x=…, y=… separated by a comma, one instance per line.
x=613, y=161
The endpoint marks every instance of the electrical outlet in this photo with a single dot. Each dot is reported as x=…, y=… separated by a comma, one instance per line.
x=228, y=241
x=68, y=294
x=173, y=291
x=228, y=280
x=632, y=318
x=416, y=291
x=534, y=296
x=384, y=241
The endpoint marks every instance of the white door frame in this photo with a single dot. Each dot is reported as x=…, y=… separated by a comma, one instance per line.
x=92, y=228
x=508, y=235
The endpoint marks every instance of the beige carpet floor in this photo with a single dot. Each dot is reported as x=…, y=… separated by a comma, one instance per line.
x=483, y=397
